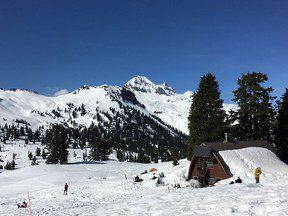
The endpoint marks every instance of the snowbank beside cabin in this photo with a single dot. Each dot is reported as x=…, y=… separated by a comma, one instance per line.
x=242, y=163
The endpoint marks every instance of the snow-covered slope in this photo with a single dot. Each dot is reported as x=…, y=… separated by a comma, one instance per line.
x=158, y=100
x=242, y=163
x=102, y=189
x=161, y=100
x=164, y=102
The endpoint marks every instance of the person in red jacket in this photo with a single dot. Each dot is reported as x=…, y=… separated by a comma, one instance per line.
x=65, y=189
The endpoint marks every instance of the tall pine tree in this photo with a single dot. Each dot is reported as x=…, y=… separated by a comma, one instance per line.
x=281, y=131
x=255, y=114
x=207, y=117
x=57, y=140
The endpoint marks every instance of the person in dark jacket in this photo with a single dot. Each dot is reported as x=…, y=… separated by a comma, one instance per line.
x=207, y=176
x=154, y=177
x=65, y=189
x=137, y=179
x=238, y=180
x=23, y=205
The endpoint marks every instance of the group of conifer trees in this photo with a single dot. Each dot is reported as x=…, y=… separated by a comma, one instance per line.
x=259, y=115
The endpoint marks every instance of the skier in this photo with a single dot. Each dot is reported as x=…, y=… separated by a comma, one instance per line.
x=257, y=173
x=65, y=189
x=24, y=205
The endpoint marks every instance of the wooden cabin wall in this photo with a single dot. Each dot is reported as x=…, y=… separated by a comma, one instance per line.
x=217, y=172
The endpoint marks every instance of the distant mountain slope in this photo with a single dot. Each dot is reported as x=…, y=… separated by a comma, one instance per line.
x=84, y=105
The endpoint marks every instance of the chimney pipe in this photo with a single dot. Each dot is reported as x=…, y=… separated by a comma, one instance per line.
x=226, y=137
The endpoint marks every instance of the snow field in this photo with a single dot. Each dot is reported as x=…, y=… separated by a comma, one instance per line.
x=98, y=188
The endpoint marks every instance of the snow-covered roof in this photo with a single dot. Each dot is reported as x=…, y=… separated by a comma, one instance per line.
x=222, y=146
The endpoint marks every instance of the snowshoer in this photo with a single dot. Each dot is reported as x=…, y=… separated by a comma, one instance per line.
x=23, y=205
x=65, y=189
x=257, y=173
x=161, y=175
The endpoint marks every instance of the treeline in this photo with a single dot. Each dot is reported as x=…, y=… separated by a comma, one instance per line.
x=259, y=115
x=131, y=133
x=21, y=131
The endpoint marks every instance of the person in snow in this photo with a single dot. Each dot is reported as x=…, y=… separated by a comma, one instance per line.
x=145, y=172
x=161, y=175
x=257, y=173
x=159, y=181
x=23, y=205
x=207, y=176
x=154, y=177
x=65, y=189
x=238, y=180
x=137, y=179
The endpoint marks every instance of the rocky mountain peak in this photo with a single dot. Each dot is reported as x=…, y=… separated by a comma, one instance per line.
x=143, y=84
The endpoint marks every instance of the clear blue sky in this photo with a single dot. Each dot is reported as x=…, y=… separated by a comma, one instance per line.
x=49, y=45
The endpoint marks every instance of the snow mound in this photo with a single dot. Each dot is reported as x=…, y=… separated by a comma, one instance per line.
x=242, y=163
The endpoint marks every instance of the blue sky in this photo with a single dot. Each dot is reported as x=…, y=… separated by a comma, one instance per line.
x=51, y=45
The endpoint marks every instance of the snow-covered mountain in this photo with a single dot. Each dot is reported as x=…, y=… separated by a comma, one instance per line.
x=159, y=102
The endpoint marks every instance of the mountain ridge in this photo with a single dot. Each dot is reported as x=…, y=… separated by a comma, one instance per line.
x=149, y=98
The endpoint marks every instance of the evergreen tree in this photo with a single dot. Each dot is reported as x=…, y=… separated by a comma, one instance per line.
x=8, y=166
x=57, y=140
x=95, y=150
x=100, y=150
x=22, y=133
x=34, y=161
x=281, y=131
x=30, y=155
x=119, y=155
x=175, y=162
x=38, y=151
x=30, y=134
x=13, y=164
x=255, y=114
x=206, y=118
x=43, y=154
x=37, y=136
